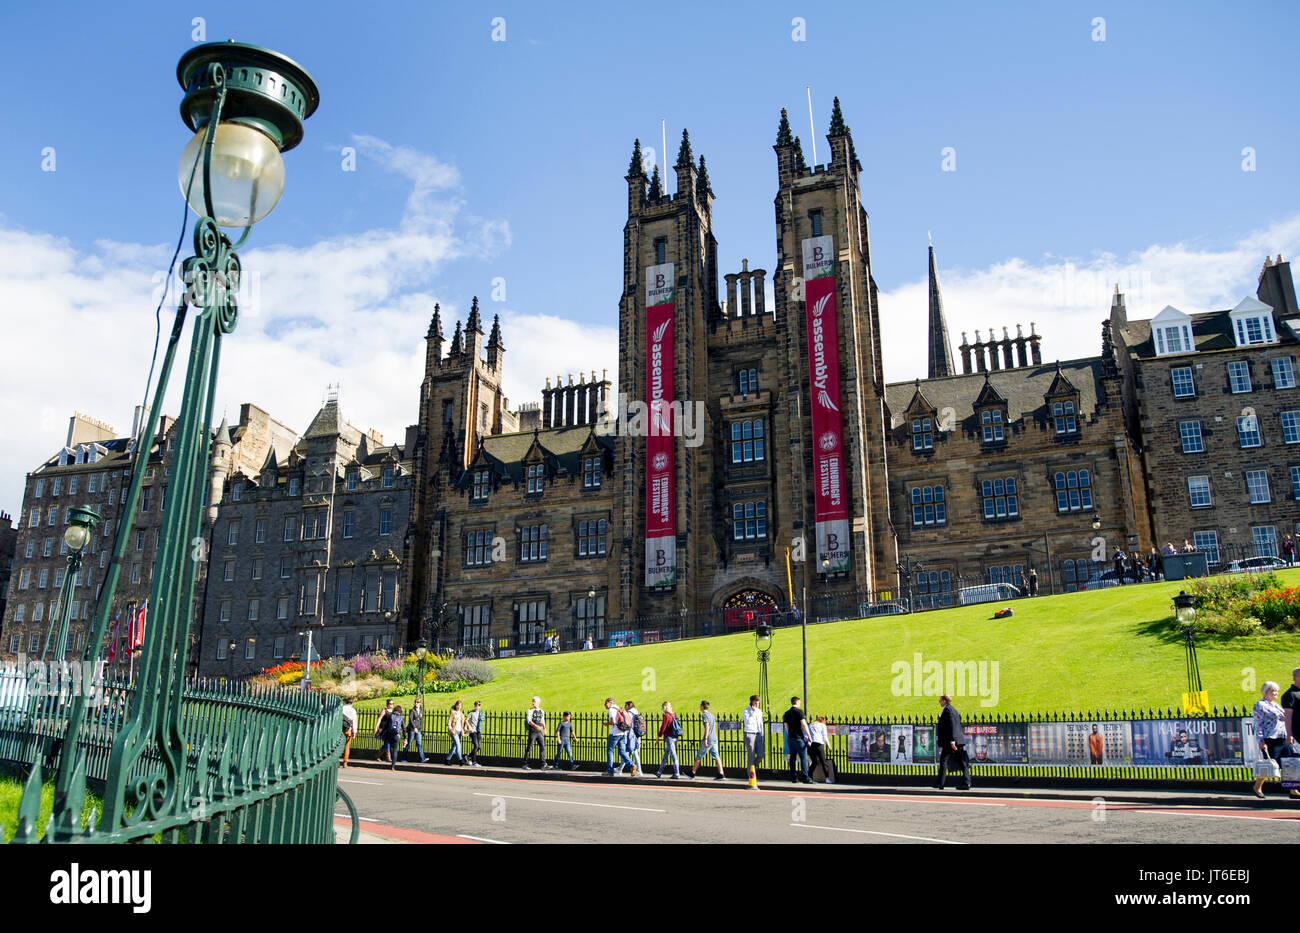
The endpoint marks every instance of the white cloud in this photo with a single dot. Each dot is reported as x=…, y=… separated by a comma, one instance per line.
x=1069, y=298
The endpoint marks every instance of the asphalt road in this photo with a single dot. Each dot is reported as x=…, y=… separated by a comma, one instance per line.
x=495, y=808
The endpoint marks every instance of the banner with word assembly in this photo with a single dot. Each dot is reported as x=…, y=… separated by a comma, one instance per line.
x=660, y=495
x=831, y=509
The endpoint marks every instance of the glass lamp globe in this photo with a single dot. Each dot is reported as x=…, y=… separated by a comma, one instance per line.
x=247, y=174
x=76, y=537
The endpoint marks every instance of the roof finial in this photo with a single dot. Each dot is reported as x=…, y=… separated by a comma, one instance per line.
x=656, y=186
x=783, y=130
x=684, y=157
x=637, y=167
x=837, y=120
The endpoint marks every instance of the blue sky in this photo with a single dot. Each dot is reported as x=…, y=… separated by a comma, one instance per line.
x=480, y=159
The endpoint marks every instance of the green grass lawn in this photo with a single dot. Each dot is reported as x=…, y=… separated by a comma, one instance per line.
x=1106, y=649
x=11, y=791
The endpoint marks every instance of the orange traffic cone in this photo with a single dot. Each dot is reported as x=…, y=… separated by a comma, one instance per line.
x=753, y=778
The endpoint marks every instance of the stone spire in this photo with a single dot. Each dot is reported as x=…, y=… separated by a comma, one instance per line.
x=473, y=325
x=435, y=324
x=702, y=185
x=783, y=131
x=223, y=435
x=494, y=345
x=837, y=120
x=940, y=350
x=637, y=167
x=656, y=186
x=684, y=158
x=457, y=347
x=799, y=162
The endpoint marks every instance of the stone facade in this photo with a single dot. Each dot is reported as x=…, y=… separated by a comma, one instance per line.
x=1220, y=418
x=310, y=539
x=8, y=544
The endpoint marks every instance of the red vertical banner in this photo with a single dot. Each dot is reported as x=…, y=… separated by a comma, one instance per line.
x=660, y=494
x=137, y=625
x=830, y=497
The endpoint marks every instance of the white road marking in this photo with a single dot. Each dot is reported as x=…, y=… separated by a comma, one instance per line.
x=495, y=842
x=363, y=819
x=371, y=783
x=573, y=803
x=1204, y=816
x=871, y=832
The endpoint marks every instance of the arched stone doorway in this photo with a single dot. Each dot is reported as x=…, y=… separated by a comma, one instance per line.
x=746, y=607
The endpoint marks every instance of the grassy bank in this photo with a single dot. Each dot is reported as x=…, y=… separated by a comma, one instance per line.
x=1109, y=649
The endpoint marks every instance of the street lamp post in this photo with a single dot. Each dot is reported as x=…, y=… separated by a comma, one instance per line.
x=245, y=106
x=763, y=642
x=421, y=654
x=906, y=567
x=306, y=671
x=1185, y=610
x=81, y=524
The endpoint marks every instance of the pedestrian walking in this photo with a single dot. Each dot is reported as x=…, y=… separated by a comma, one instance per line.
x=798, y=738
x=563, y=739
x=751, y=723
x=1291, y=716
x=415, y=731
x=393, y=734
x=616, y=742
x=708, y=742
x=455, y=726
x=635, y=733
x=349, y=729
x=381, y=732
x=535, y=724
x=474, y=725
x=817, y=752
x=586, y=643
x=951, y=742
x=670, y=730
x=1153, y=563
x=1033, y=582
x=546, y=644
x=1270, y=733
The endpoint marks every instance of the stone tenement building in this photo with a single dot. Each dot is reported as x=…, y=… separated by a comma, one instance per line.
x=308, y=537
x=1215, y=400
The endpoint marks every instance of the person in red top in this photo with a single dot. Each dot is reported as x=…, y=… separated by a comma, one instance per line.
x=669, y=731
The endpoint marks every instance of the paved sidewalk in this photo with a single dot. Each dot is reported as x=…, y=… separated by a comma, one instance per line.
x=770, y=781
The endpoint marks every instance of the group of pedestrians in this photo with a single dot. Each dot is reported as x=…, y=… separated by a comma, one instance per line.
x=395, y=724
x=1134, y=567
x=1276, y=725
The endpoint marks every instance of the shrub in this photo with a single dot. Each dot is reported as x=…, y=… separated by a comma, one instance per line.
x=1253, y=604
x=470, y=670
x=446, y=686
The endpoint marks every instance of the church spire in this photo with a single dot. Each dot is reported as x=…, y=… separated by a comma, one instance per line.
x=702, y=182
x=684, y=157
x=457, y=347
x=783, y=131
x=656, y=186
x=637, y=168
x=837, y=120
x=940, y=350
x=435, y=324
x=473, y=325
x=799, y=162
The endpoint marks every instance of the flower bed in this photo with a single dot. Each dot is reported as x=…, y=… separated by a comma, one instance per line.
x=376, y=674
x=1254, y=604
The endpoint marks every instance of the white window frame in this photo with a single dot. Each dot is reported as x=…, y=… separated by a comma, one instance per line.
x=1193, y=490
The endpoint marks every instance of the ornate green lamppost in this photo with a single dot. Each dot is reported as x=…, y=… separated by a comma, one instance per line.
x=81, y=524
x=245, y=105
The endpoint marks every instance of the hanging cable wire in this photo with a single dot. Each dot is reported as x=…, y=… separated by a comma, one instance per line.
x=167, y=282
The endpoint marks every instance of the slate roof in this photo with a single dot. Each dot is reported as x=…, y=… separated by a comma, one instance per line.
x=1023, y=388
x=1211, y=330
x=561, y=449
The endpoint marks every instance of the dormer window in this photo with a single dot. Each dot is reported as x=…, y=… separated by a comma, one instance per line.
x=1252, y=323
x=923, y=433
x=1065, y=417
x=1171, y=331
x=388, y=477
x=352, y=480
x=536, y=473
x=591, y=472
x=992, y=421
x=479, y=488
x=236, y=492
x=293, y=485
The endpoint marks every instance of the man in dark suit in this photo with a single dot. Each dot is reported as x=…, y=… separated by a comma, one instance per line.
x=951, y=742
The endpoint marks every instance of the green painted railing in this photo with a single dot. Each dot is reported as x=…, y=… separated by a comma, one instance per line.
x=258, y=764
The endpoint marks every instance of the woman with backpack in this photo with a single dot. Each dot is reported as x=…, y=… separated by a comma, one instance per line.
x=634, y=736
x=393, y=734
x=670, y=730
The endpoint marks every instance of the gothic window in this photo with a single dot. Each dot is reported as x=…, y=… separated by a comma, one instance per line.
x=928, y=506
x=1000, y=498
x=749, y=520
x=593, y=538
x=992, y=420
x=591, y=472
x=536, y=475
x=479, y=489
x=747, y=441
x=1073, y=491
x=923, y=433
x=478, y=548
x=532, y=543
x=1064, y=417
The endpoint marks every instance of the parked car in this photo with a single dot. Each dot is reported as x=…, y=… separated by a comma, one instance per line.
x=988, y=593
x=1102, y=579
x=1256, y=565
x=883, y=609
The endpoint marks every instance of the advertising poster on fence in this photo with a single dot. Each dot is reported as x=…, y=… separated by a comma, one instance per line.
x=858, y=741
x=1080, y=743
x=900, y=745
x=1003, y=743
x=1187, y=742
x=878, y=748
x=923, y=744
